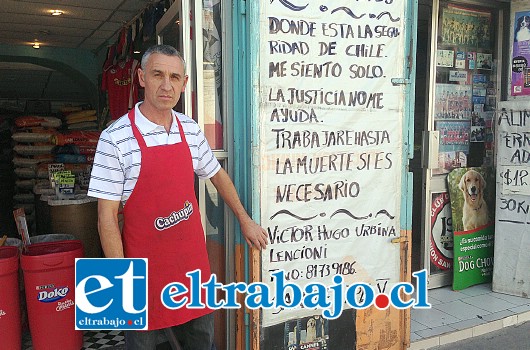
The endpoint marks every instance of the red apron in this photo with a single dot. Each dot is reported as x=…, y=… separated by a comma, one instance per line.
x=162, y=223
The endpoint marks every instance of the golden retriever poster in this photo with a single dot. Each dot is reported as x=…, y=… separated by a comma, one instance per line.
x=472, y=194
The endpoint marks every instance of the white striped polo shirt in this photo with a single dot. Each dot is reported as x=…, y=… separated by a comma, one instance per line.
x=118, y=157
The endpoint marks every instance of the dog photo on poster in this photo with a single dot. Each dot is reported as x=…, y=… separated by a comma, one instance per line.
x=472, y=194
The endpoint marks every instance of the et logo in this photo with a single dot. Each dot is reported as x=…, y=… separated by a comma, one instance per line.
x=111, y=294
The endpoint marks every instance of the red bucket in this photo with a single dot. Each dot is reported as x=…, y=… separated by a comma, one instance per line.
x=10, y=327
x=49, y=279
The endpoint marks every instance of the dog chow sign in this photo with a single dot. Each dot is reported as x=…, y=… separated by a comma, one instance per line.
x=472, y=192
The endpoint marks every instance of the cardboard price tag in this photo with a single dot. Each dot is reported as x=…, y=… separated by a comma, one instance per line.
x=64, y=184
x=52, y=169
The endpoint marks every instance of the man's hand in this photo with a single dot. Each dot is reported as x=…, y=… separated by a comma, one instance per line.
x=254, y=234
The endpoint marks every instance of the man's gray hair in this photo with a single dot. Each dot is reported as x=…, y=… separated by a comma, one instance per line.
x=164, y=50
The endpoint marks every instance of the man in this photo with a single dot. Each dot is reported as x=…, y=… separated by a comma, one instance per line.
x=146, y=160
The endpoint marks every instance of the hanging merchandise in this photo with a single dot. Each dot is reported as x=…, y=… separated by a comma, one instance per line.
x=118, y=82
x=127, y=50
x=120, y=76
x=118, y=79
x=134, y=94
x=111, y=57
x=138, y=35
x=150, y=18
x=122, y=52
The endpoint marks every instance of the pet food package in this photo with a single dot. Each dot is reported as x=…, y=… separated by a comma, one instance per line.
x=80, y=138
x=31, y=120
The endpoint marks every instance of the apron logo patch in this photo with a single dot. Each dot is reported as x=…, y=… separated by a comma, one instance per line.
x=162, y=223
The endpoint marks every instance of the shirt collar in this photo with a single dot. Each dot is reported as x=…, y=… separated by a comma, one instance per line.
x=146, y=126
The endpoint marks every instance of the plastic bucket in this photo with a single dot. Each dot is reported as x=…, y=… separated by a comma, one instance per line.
x=54, y=237
x=49, y=279
x=15, y=242
x=10, y=325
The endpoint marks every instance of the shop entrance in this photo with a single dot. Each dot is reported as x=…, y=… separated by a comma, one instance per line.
x=194, y=28
x=452, y=311
x=457, y=87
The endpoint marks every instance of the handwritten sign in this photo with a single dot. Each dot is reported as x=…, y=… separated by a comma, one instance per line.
x=512, y=222
x=515, y=179
x=331, y=142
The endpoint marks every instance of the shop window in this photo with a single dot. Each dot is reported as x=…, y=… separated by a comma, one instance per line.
x=212, y=82
x=466, y=87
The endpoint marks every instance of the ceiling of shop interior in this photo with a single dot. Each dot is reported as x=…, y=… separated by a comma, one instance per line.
x=85, y=24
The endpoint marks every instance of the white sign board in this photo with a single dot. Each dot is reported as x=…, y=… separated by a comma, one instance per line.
x=511, y=273
x=331, y=142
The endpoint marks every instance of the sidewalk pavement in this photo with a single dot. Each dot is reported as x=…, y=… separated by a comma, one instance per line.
x=515, y=337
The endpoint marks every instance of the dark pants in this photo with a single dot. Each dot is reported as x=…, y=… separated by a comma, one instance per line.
x=196, y=334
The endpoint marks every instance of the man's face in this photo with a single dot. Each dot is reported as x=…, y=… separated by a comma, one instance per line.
x=164, y=80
